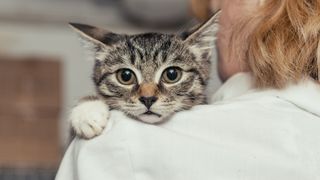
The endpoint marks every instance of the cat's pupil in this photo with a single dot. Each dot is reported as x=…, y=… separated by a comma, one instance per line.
x=172, y=74
x=126, y=75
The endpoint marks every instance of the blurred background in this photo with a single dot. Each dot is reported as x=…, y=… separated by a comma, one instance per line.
x=44, y=70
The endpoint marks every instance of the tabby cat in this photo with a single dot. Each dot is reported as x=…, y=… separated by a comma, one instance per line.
x=148, y=76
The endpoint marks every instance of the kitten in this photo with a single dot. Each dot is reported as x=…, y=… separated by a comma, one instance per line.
x=148, y=76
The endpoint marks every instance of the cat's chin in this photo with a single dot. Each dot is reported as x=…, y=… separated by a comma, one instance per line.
x=151, y=118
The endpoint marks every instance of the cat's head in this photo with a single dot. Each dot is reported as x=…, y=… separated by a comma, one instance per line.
x=151, y=76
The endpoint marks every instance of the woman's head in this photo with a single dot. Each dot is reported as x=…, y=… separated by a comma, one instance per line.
x=278, y=41
x=284, y=46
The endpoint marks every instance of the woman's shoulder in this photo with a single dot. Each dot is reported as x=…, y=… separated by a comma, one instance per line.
x=303, y=95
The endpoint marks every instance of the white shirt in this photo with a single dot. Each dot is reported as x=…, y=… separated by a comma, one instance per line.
x=245, y=134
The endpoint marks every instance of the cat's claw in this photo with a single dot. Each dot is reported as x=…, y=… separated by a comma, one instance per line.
x=88, y=119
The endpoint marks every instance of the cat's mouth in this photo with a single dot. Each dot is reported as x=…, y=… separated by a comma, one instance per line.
x=150, y=117
x=151, y=113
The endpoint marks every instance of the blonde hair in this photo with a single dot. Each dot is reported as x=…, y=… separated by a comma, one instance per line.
x=283, y=44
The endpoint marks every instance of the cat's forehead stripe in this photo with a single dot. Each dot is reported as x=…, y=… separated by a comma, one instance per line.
x=131, y=52
x=153, y=49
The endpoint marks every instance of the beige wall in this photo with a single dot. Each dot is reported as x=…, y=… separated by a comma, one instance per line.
x=50, y=40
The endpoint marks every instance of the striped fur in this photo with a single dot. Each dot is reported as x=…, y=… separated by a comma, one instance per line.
x=148, y=55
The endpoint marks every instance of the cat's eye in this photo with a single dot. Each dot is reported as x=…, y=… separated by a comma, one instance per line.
x=172, y=75
x=126, y=76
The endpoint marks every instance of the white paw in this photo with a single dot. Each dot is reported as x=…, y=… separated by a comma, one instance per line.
x=88, y=119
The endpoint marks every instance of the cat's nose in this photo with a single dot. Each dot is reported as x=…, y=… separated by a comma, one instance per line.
x=148, y=101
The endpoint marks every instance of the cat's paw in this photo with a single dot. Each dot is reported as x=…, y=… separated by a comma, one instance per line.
x=88, y=119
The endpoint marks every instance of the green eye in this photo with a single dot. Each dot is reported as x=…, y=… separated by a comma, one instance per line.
x=172, y=75
x=126, y=76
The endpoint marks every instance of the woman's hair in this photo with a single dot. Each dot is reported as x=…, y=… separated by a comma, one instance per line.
x=283, y=44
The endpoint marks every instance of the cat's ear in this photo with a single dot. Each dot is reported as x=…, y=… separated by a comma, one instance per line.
x=202, y=38
x=94, y=38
